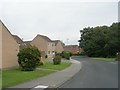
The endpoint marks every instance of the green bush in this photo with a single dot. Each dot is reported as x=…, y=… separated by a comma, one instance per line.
x=29, y=58
x=66, y=55
x=59, y=54
x=77, y=54
x=71, y=54
x=82, y=54
x=57, y=60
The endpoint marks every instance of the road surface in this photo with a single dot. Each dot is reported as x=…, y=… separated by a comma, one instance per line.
x=94, y=74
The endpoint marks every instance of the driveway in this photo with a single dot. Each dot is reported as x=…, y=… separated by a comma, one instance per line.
x=94, y=74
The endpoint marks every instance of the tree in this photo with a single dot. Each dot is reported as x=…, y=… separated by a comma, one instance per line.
x=29, y=58
x=101, y=41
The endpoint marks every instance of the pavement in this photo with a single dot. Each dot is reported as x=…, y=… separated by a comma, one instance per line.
x=53, y=80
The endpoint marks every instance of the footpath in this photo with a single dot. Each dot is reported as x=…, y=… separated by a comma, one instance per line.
x=53, y=80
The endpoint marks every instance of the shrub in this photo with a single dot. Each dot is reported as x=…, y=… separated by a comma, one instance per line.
x=57, y=60
x=29, y=58
x=66, y=55
x=59, y=54
x=82, y=54
x=41, y=61
x=77, y=54
x=71, y=54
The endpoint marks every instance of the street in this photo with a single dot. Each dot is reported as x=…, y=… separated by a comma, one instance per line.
x=94, y=74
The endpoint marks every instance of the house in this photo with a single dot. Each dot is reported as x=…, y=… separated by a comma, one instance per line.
x=0, y=45
x=74, y=49
x=20, y=42
x=18, y=39
x=58, y=46
x=45, y=45
x=10, y=48
x=27, y=43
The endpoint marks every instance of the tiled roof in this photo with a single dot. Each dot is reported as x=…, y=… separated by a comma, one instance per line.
x=55, y=41
x=70, y=46
x=46, y=38
x=27, y=42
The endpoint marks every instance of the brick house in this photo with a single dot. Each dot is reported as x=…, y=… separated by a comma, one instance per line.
x=58, y=46
x=72, y=48
x=20, y=42
x=45, y=45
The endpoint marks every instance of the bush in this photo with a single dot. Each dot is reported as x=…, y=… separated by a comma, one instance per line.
x=71, y=54
x=29, y=58
x=77, y=54
x=57, y=60
x=66, y=55
x=59, y=54
x=82, y=54
x=41, y=61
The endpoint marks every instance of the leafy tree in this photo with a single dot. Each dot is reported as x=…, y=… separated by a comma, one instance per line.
x=101, y=41
x=29, y=58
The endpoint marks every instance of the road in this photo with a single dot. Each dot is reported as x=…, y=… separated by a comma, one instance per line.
x=94, y=74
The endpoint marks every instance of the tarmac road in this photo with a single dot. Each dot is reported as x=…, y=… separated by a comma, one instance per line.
x=94, y=74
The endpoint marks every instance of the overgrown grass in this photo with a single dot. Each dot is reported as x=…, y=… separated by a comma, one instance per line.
x=105, y=59
x=50, y=65
x=16, y=76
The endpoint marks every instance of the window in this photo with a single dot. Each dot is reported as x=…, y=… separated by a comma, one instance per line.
x=48, y=44
x=48, y=52
x=53, y=52
x=52, y=44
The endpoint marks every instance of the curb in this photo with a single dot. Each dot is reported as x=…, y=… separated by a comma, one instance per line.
x=59, y=85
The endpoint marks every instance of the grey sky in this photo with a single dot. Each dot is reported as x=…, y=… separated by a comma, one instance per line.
x=60, y=19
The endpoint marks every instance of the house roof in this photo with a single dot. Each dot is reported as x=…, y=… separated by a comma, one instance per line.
x=46, y=38
x=5, y=27
x=55, y=41
x=27, y=42
x=49, y=40
x=18, y=39
x=71, y=46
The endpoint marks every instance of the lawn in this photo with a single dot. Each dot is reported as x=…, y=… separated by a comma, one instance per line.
x=16, y=76
x=50, y=65
x=105, y=59
x=0, y=80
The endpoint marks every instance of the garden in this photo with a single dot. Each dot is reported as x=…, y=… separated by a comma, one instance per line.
x=32, y=66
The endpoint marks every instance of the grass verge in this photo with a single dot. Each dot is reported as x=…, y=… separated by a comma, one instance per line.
x=0, y=79
x=16, y=76
x=104, y=59
x=50, y=65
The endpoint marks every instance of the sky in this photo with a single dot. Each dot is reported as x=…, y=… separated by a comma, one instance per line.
x=57, y=19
